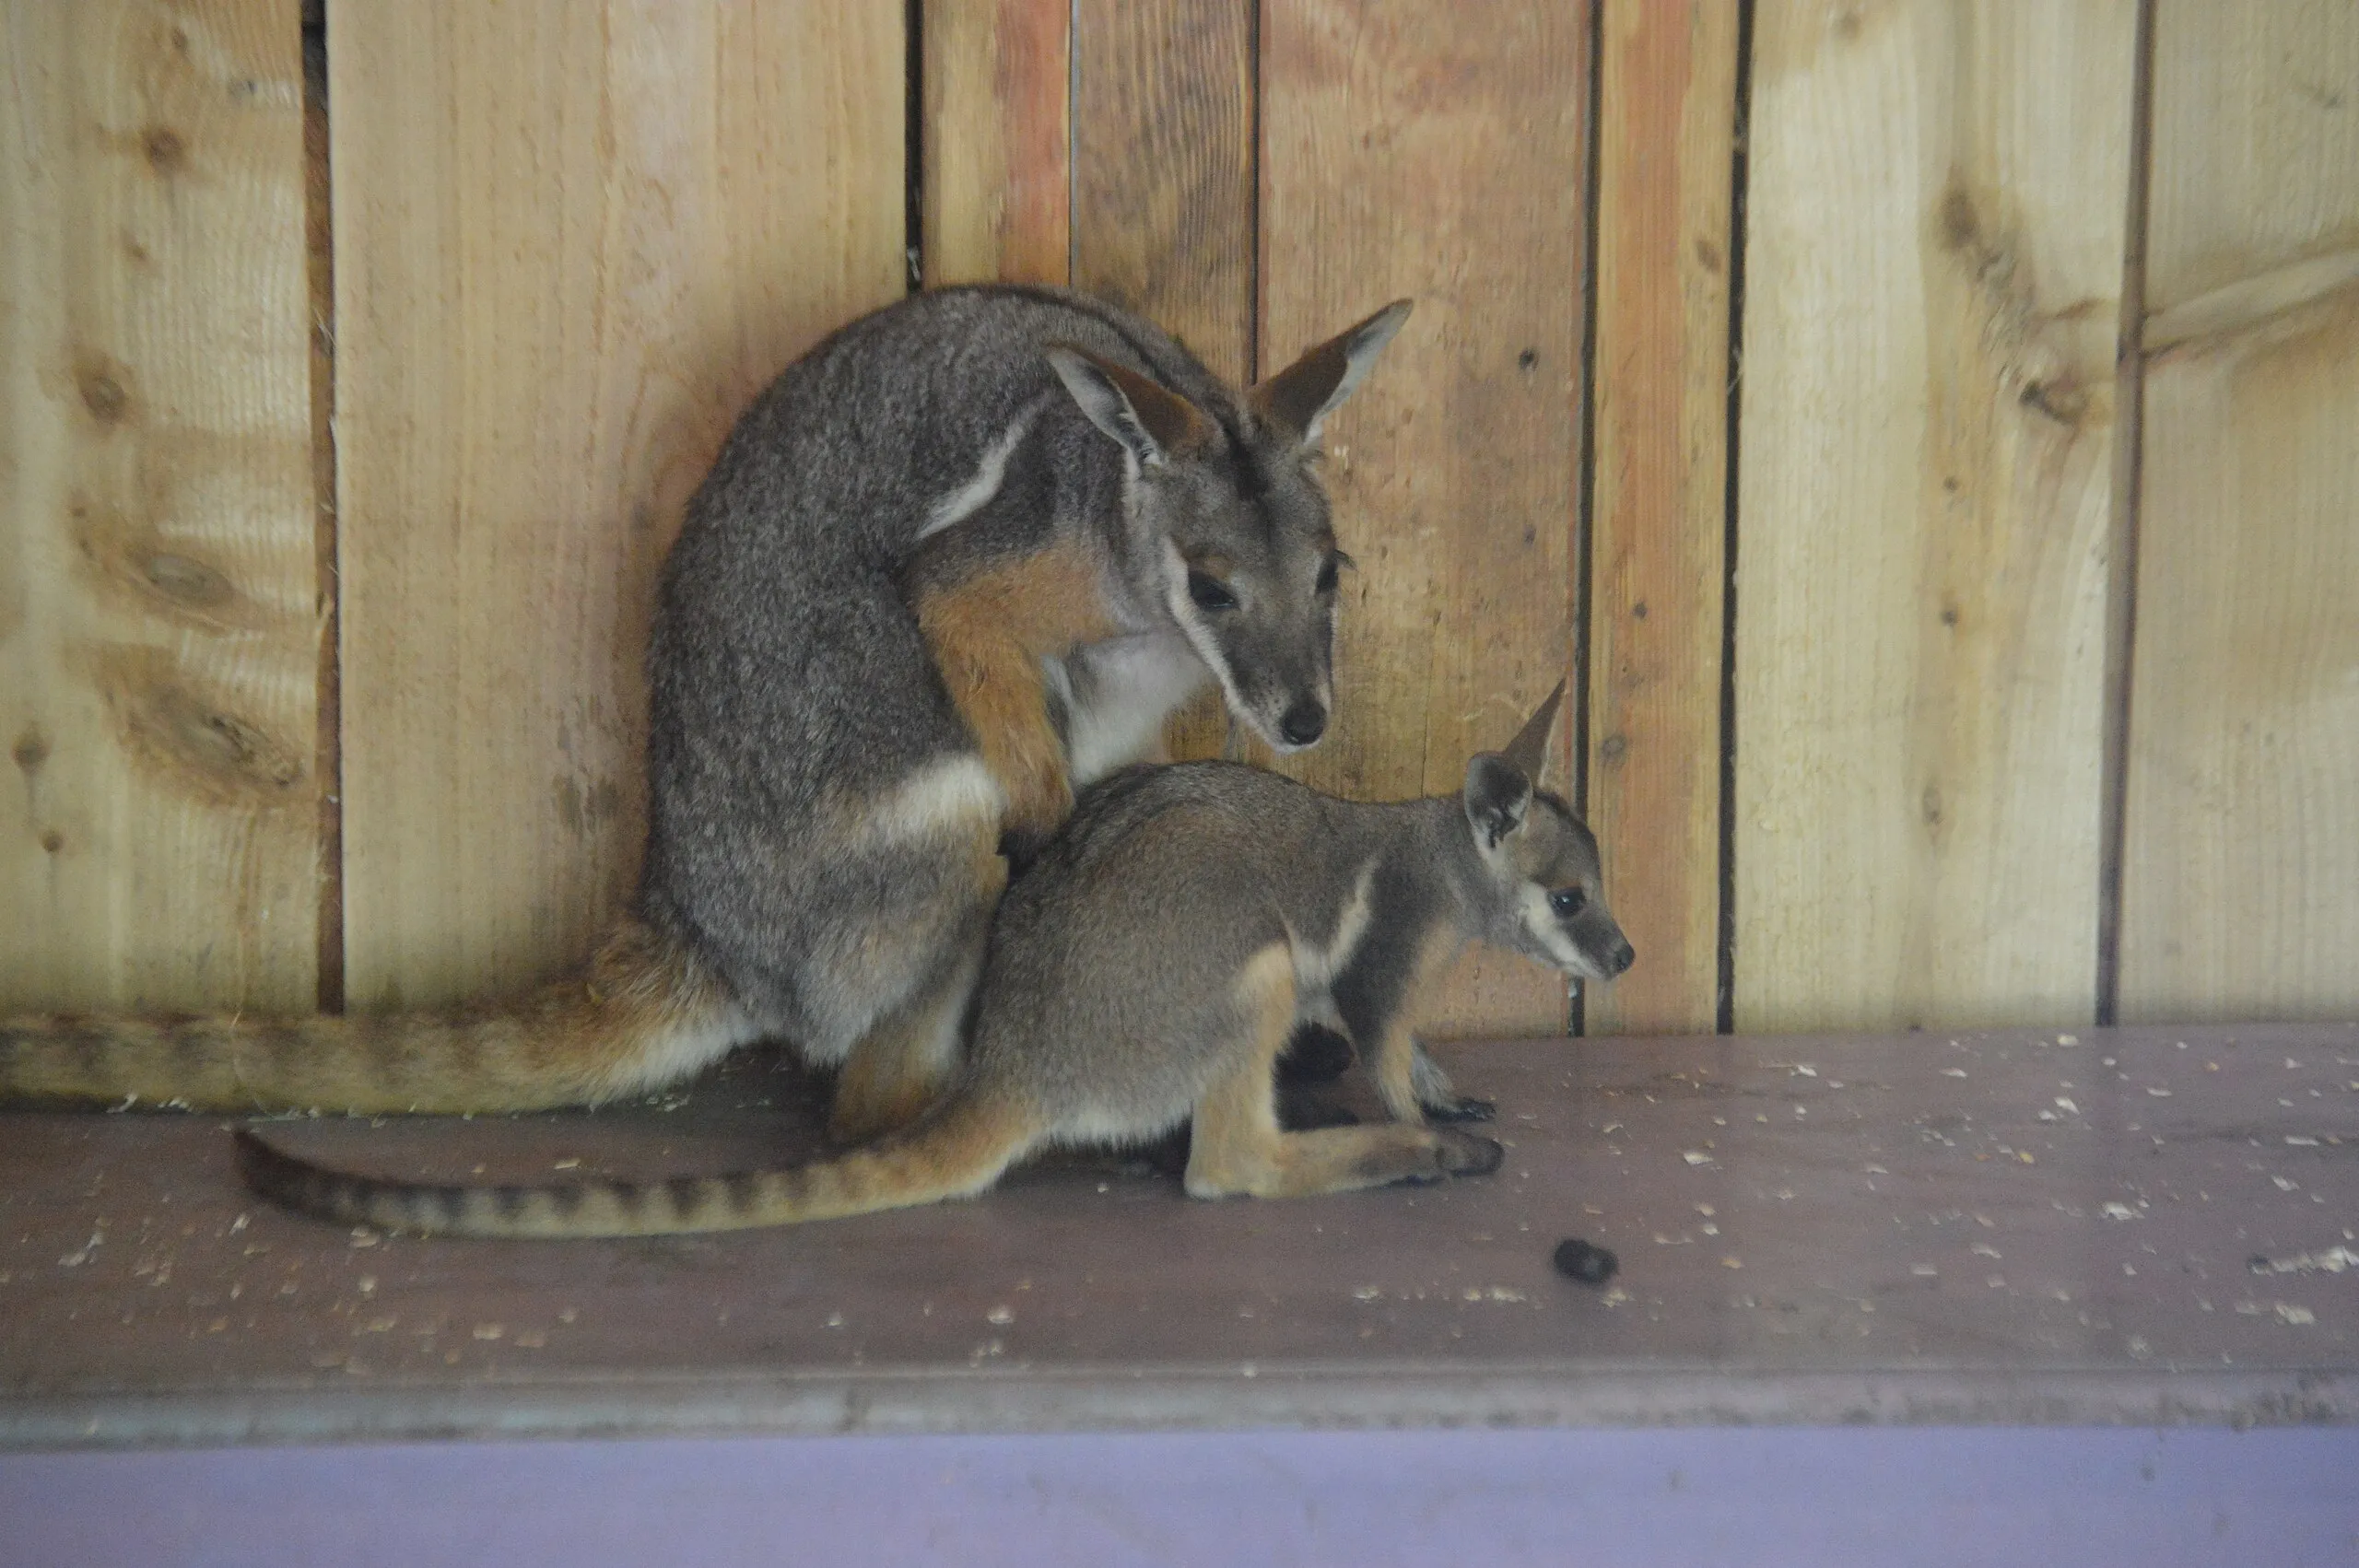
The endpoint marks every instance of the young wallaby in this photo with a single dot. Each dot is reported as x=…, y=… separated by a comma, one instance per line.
x=964, y=554
x=1146, y=969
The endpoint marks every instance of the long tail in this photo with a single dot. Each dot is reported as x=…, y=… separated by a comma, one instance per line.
x=644, y=1012
x=954, y=1151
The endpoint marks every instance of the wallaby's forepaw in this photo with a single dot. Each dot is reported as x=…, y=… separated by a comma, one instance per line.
x=1316, y=1055
x=1468, y=1153
x=1461, y=1108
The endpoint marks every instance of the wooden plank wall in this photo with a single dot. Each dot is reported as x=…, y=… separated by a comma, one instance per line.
x=1852, y=437
x=1658, y=560
x=571, y=244
x=2240, y=886
x=159, y=607
x=1934, y=253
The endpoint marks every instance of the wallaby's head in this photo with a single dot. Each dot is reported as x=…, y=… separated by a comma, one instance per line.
x=1228, y=505
x=1544, y=893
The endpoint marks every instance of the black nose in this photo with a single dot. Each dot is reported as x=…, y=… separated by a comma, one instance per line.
x=1304, y=722
x=1622, y=957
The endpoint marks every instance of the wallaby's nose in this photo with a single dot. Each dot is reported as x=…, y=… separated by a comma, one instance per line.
x=1622, y=957
x=1304, y=722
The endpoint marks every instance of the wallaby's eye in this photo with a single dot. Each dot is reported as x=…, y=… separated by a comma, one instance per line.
x=1209, y=591
x=1567, y=901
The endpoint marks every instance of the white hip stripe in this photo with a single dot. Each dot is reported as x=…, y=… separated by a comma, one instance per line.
x=957, y=791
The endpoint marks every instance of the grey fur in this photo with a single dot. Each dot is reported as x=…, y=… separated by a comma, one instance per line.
x=1145, y=972
x=791, y=688
x=1107, y=996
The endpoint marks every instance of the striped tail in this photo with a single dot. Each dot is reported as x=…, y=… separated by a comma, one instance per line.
x=642, y=1014
x=954, y=1151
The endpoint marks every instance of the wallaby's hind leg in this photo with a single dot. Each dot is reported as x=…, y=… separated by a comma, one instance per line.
x=1236, y=1146
x=908, y=1058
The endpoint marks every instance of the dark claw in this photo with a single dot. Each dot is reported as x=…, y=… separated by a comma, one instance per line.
x=1466, y=1107
x=1316, y=1055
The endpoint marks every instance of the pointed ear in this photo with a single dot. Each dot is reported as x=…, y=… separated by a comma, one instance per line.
x=1155, y=424
x=1498, y=794
x=1298, y=397
x=1529, y=750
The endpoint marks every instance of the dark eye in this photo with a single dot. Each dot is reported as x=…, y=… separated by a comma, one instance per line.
x=1209, y=591
x=1567, y=901
x=1330, y=573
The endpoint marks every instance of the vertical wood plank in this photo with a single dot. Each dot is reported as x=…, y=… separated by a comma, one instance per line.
x=159, y=626
x=1936, y=201
x=570, y=243
x=2240, y=878
x=1437, y=152
x=997, y=164
x=1666, y=125
x=1163, y=167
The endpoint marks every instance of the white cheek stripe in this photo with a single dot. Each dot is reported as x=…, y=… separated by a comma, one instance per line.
x=1541, y=922
x=990, y=474
x=1183, y=615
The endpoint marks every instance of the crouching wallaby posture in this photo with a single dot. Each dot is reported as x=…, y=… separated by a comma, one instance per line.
x=1146, y=969
x=967, y=552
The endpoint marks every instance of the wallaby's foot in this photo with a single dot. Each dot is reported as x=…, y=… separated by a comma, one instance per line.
x=1471, y=1153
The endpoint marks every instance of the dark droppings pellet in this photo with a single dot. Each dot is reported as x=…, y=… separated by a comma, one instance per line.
x=1577, y=1259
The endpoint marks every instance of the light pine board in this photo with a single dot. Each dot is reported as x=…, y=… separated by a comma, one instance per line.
x=2252, y=195
x=998, y=146
x=1437, y=152
x=570, y=243
x=1933, y=260
x=1666, y=125
x=158, y=616
x=2240, y=881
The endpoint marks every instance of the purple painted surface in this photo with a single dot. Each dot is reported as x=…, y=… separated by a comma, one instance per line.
x=2091, y=1497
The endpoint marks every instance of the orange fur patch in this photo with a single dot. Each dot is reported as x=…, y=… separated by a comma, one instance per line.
x=987, y=636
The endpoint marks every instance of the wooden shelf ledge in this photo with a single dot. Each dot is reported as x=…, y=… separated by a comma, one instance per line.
x=2140, y=1225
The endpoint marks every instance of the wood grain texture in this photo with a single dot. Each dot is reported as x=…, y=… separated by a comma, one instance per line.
x=1163, y=167
x=1937, y=201
x=2240, y=875
x=1437, y=152
x=1164, y=115
x=570, y=243
x=1666, y=125
x=2256, y=134
x=997, y=160
x=159, y=626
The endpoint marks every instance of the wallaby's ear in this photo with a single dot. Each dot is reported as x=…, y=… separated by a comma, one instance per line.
x=1155, y=424
x=1498, y=794
x=1529, y=750
x=1298, y=397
